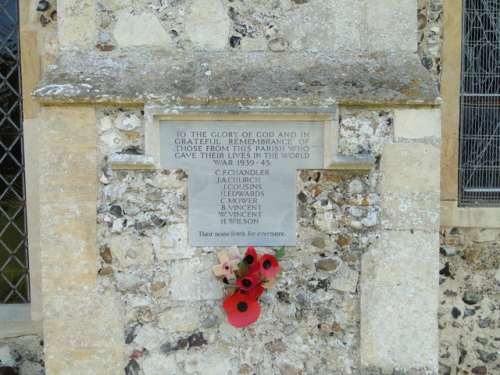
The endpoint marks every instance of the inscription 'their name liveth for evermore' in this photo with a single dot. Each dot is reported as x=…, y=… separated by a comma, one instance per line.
x=241, y=177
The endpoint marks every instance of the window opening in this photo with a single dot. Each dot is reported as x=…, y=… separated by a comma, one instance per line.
x=479, y=163
x=14, y=276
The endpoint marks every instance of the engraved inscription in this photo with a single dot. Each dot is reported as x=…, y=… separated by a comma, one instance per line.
x=241, y=177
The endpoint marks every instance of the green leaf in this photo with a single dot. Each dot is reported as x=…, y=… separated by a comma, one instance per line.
x=280, y=253
x=242, y=265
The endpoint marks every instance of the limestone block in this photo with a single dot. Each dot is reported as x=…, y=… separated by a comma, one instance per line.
x=67, y=155
x=207, y=25
x=417, y=123
x=141, y=30
x=193, y=280
x=400, y=15
x=336, y=26
x=410, y=168
x=406, y=211
x=179, y=319
x=84, y=329
x=399, y=302
x=77, y=24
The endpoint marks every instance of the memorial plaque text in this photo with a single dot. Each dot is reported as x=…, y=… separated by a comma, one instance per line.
x=242, y=177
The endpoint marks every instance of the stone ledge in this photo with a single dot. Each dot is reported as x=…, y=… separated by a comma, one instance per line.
x=127, y=161
x=135, y=77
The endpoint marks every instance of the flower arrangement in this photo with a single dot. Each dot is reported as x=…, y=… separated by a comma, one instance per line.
x=248, y=277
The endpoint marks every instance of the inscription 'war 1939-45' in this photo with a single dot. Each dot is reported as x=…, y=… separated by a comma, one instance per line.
x=241, y=177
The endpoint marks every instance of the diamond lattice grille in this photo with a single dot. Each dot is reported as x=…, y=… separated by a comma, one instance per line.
x=14, y=282
x=479, y=169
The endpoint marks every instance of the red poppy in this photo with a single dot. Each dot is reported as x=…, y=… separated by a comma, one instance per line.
x=248, y=282
x=241, y=310
x=254, y=293
x=251, y=260
x=269, y=266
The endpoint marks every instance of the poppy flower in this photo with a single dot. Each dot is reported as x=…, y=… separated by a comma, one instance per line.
x=269, y=266
x=251, y=260
x=254, y=293
x=248, y=282
x=241, y=310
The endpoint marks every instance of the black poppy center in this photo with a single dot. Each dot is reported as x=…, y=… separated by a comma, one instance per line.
x=246, y=283
x=267, y=264
x=249, y=259
x=242, y=306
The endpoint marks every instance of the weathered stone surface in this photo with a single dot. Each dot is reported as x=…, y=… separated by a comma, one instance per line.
x=213, y=364
x=270, y=79
x=192, y=280
x=207, y=25
x=179, y=319
x=410, y=168
x=141, y=30
x=406, y=211
x=345, y=279
x=399, y=333
x=76, y=24
x=417, y=123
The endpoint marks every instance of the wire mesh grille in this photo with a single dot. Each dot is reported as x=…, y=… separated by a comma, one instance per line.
x=14, y=275
x=479, y=168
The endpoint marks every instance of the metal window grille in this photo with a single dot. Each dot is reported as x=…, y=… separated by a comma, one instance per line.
x=14, y=275
x=479, y=163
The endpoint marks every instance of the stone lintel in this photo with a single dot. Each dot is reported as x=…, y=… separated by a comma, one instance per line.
x=132, y=77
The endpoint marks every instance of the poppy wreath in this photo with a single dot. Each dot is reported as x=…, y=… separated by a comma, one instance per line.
x=252, y=275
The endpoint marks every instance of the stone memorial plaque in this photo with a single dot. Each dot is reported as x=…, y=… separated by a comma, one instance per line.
x=242, y=177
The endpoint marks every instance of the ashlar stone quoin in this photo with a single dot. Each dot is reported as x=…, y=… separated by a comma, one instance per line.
x=242, y=176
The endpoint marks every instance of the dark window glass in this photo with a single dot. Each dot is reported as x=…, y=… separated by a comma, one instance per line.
x=479, y=163
x=14, y=276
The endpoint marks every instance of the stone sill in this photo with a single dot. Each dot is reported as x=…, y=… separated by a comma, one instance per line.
x=132, y=77
x=355, y=163
x=15, y=320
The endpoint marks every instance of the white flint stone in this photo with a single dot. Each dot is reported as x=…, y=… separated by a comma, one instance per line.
x=370, y=220
x=128, y=123
x=117, y=226
x=131, y=250
x=127, y=281
x=345, y=279
x=6, y=358
x=113, y=139
x=105, y=124
x=355, y=187
x=148, y=337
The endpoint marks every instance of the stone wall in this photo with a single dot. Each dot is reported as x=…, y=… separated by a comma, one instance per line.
x=121, y=287
x=279, y=25
x=22, y=355
x=469, y=315
x=173, y=316
x=430, y=36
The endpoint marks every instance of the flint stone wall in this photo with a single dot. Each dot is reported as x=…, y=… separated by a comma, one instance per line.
x=158, y=303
